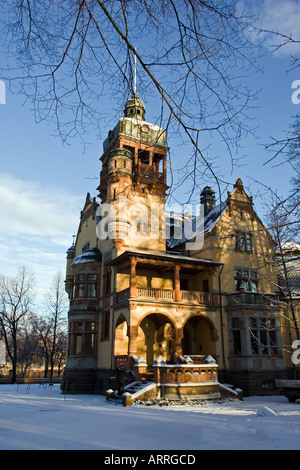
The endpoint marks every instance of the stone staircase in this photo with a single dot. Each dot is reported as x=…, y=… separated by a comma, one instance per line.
x=147, y=390
x=138, y=390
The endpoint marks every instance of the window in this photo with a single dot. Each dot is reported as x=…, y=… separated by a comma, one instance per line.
x=78, y=343
x=89, y=344
x=142, y=228
x=83, y=336
x=76, y=338
x=105, y=325
x=90, y=338
x=236, y=336
x=143, y=156
x=92, y=290
x=246, y=279
x=107, y=283
x=81, y=290
x=85, y=247
x=131, y=149
x=83, y=287
x=263, y=336
x=243, y=241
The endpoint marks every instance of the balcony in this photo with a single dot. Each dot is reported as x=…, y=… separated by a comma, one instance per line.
x=167, y=295
x=149, y=171
x=252, y=298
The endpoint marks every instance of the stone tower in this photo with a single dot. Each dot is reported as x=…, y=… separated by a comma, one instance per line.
x=133, y=181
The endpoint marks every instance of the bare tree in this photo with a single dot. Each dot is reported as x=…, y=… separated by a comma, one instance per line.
x=192, y=59
x=15, y=304
x=43, y=330
x=27, y=347
x=283, y=227
x=61, y=351
x=55, y=319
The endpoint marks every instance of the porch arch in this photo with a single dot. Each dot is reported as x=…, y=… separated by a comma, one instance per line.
x=121, y=340
x=199, y=336
x=156, y=336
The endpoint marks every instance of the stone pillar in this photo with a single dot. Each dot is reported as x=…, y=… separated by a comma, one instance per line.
x=165, y=168
x=178, y=341
x=140, y=369
x=132, y=335
x=177, y=291
x=133, y=291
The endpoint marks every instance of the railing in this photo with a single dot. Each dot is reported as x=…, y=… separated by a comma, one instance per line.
x=155, y=294
x=196, y=297
x=149, y=171
x=185, y=373
x=122, y=296
x=166, y=295
x=251, y=298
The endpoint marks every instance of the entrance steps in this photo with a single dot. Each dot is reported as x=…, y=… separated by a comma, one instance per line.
x=138, y=390
x=148, y=390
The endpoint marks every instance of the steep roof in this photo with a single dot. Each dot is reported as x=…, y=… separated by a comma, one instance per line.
x=210, y=221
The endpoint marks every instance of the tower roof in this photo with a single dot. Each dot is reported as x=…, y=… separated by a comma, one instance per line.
x=135, y=108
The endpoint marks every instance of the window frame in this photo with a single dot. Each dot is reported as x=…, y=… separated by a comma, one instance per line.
x=263, y=338
x=83, y=338
x=243, y=241
x=246, y=278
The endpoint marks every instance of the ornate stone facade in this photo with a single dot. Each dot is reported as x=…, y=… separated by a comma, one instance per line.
x=142, y=293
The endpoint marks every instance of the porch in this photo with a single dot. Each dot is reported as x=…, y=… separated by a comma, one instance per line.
x=169, y=271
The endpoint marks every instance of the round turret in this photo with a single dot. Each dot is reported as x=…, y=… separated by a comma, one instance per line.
x=120, y=161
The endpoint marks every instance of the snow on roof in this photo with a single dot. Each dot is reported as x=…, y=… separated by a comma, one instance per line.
x=210, y=222
x=89, y=256
x=290, y=247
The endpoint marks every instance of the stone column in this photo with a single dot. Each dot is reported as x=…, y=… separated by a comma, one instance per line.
x=178, y=341
x=177, y=291
x=132, y=334
x=165, y=168
x=133, y=291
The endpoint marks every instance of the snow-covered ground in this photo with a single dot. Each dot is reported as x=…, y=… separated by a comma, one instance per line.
x=33, y=418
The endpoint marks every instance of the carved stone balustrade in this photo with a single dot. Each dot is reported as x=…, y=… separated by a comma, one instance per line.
x=187, y=381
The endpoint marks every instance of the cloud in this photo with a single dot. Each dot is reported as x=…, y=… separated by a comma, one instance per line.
x=278, y=16
x=36, y=228
x=43, y=212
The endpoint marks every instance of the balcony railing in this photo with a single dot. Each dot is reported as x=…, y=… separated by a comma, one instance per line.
x=167, y=295
x=251, y=298
x=149, y=172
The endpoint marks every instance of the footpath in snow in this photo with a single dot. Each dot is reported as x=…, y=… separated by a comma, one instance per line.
x=42, y=418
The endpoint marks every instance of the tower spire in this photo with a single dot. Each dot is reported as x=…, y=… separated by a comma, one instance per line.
x=134, y=83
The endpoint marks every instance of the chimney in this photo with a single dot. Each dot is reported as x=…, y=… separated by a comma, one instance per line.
x=208, y=199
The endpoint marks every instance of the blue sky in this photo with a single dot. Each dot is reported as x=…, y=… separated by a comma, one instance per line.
x=43, y=184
